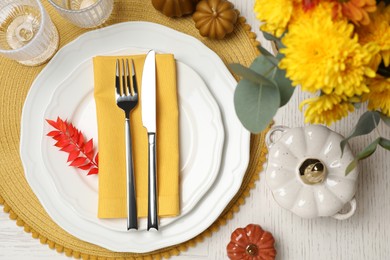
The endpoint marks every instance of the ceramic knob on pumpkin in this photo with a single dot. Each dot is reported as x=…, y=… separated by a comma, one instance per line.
x=175, y=8
x=306, y=171
x=251, y=242
x=215, y=18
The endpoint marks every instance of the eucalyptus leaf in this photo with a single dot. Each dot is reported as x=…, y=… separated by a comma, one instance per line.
x=263, y=66
x=367, y=122
x=366, y=152
x=269, y=56
x=275, y=39
x=249, y=74
x=256, y=104
x=350, y=167
x=280, y=56
x=385, y=119
x=270, y=37
x=385, y=143
x=370, y=149
x=285, y=86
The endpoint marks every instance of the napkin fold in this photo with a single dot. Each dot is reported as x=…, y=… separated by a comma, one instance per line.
x=111, y=139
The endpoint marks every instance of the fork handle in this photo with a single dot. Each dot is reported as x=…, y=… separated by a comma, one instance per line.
x=152, y=183
x=131, y=197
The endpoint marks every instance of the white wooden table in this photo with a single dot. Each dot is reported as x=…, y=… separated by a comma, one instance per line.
x=364, y=236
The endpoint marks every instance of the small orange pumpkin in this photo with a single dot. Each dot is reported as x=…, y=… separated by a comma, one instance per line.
x=251, y=242
x=215, y=18
x=175, y=8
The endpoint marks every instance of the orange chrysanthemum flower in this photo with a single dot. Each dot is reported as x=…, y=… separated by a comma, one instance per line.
x=356, y=10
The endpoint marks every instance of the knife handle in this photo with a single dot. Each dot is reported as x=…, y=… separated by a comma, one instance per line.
x=152, y=183
x=130, y=188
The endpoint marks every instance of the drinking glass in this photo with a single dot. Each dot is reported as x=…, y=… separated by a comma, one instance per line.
x=84, y=13
x=27, y=34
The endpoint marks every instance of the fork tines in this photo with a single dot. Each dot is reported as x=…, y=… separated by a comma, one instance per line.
x=126, y=86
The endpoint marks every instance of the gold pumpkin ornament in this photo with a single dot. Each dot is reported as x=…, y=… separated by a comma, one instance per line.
x=175, y=8
x=215, y=18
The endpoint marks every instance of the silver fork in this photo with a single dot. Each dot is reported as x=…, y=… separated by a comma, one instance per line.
x=127, y=100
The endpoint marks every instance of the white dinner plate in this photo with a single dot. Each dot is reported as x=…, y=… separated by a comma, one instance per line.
x=201, y=141
x=119, y=37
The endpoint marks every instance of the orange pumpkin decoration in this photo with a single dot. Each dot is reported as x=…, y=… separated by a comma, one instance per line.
x=175, y=8
x=215, y=18
x=251, y=242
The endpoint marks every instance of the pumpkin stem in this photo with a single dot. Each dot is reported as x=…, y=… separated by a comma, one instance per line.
x=252, y=250
x=215, y=14
x=312, y=171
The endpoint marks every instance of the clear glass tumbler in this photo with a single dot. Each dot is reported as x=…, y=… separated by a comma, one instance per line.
x=27, y=34
x=84, y=13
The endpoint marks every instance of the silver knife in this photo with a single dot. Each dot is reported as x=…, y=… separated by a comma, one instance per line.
x=148, y=103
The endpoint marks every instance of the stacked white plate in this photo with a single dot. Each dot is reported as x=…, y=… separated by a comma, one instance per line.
x=214, y=147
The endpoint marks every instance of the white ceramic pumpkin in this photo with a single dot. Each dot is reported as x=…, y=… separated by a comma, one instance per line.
x=306, y=171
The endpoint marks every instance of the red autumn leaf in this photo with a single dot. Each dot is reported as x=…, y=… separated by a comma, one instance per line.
x=71, y=140
x=90, y=155
x=61, y=125
x=53, y=133
x=97, y=158
x=71, y=130
x=86, y=166
x=78, y=161
x=80, y=141
x=73, y=155
x=88, y=148
x=69, y=148
x=62, y=143
x=58, y=137
x=93, y=171
x=52, y=123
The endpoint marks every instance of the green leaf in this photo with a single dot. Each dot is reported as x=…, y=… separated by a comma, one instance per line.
x=285, y=86
x=256, y=104
x=263, y=66
x=350, y=167
x=385, y=143
x=385, y=119
x=370, y=149
x=280, y=56
x=366, y=152
x=249, y=74
x=271, y=37
x=367, y=122
x=269, y=56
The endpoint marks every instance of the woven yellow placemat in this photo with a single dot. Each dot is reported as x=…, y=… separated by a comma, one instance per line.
x=15, y=80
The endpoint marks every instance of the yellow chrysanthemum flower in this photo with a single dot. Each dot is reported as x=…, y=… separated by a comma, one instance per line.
x=379, y=95
x=326, y=109
x=322, y=54
x=275, y=14
x=378, y=31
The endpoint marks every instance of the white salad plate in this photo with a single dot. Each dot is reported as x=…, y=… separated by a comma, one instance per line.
x=113, y=40
x=201, y=141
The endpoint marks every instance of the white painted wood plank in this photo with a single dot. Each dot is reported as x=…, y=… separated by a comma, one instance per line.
x=364, y=236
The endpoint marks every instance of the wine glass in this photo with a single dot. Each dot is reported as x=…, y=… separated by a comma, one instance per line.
x=84, y=13
x=27, y=33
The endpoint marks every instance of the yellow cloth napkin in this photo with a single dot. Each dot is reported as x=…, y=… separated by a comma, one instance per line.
x=111, y=140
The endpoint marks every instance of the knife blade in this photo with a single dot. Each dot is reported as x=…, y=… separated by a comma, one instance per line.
x=148, y=105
